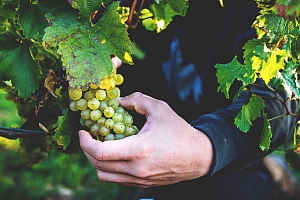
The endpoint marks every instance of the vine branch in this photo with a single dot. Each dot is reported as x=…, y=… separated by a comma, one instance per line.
x=14, y=133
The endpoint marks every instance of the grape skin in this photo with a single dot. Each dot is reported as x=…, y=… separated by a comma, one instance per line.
x=75, y=94
x=81, y=104
x=117, y=117
x=104, y=131
x=109, y=137
x=88, y=95
x=95, y=115
x=108, y=112
x=94, y=130
x=93, y=103
x=72, y=106
x=119, y=127
x=109, y=123
x=100, y=94
x=85, y=114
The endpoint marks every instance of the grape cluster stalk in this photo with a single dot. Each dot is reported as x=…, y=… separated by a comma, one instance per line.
x=100, y=111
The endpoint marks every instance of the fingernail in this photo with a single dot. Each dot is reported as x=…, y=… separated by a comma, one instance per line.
x=79, y=133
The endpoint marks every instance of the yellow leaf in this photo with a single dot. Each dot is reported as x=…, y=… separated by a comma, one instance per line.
x=274, y=63
x=128, y=57
x=256, y=63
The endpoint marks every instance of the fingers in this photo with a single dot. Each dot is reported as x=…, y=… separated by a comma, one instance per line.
x=124, y=179
x=110, y=156
x=139, y=102
x=109, y=150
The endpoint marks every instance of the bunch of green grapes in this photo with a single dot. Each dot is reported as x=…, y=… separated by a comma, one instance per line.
x=100, y=111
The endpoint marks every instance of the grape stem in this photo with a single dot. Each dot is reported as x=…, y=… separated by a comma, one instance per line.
x=14, y=133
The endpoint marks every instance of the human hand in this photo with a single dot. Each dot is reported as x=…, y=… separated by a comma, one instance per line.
x=165, y=151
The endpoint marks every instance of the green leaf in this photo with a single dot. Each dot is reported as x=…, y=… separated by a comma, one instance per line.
x=249, y=112
x=227, y=73
x=265, y=138
x=7, y=19
x=290, y=79
x=163, y=12
x=251, y=46
x=295, y=47
x=66, y=134
x=86, y=49
x=178, y=6
x=87, y=7
x=18, y=66
x=31, y=19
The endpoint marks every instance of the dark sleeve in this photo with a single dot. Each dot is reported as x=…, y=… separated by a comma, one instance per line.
x=233, y=146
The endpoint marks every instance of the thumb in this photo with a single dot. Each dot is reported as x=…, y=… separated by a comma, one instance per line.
x=139, y=102
x=86, y=140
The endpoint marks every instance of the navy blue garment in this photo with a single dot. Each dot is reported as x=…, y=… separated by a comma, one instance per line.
x=179, y=69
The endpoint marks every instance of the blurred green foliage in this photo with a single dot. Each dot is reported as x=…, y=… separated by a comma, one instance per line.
x=9, y=113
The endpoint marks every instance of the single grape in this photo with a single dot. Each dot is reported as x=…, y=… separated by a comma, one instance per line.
x=100, y=94
x=129, y=130
x=127, y=119
x=95, y=115
x=104, y=131
x=88, y=123
x=119, y=127
x=81, y=104
x=113, y=92
x=101, y=121
x=113, y=103
x=88, y=95
x=85, y=114
x=120, y=109
x=75, y=94
x=109, y=137
x=119, y=79
x=117, y=117
x=109, y=112
x=109, y=123
x=119, y=136
x=94, y=130
x=72, y=106
x=93, y=104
